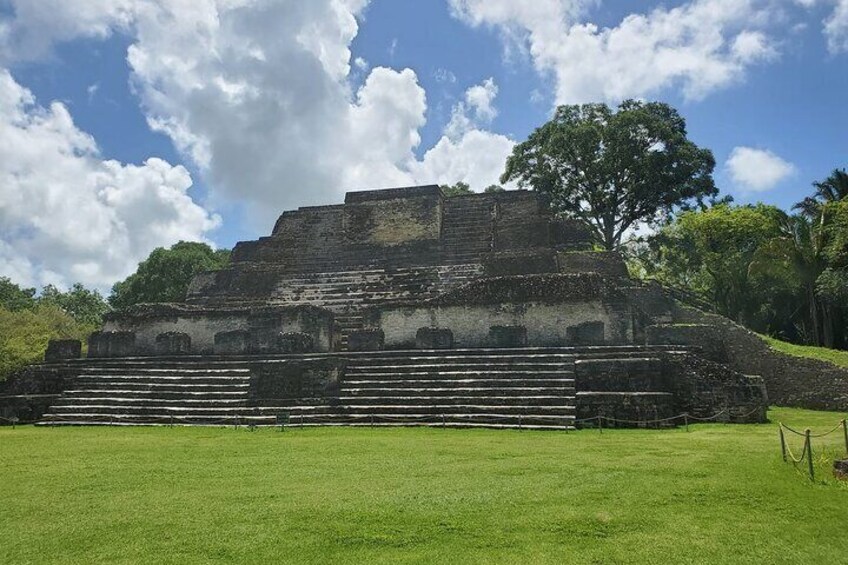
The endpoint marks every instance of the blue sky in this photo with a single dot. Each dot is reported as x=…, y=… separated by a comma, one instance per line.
x=129, y=124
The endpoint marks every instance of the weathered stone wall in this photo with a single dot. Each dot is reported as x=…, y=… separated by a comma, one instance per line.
x=201, y=325
x=555, y=309
x=520, y=263
x=666, y=385
x=276, y=383
x=546, y=324
x=520, y=222
x=26, y=395
x=387, y=218
x=390, y=229
x=790, y=381
x=704, y=388
x=607, y=263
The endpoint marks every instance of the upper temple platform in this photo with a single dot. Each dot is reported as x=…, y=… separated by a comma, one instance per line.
x=397, y=228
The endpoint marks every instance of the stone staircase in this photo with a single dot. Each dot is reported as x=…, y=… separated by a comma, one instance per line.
x=148, y=391
x=535, y=388
x=467, y=388
x=466, y=229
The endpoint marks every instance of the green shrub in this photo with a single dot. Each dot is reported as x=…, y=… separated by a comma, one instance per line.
x=24, y=334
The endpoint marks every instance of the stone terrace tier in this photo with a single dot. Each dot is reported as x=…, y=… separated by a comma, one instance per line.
x=403, y=243
x=528, y=387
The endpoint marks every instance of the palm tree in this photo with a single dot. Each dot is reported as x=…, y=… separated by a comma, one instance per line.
x=804, y=246
x=800, y=249
x=831, y=189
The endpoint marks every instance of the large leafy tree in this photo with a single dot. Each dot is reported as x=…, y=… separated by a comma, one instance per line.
x=714, y=253
x=15, y=298
x=614, y=169
x=83, y=305
x=165, y=275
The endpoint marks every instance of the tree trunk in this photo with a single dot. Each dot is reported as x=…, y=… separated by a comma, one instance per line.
x=827, y=326
x=814, y=315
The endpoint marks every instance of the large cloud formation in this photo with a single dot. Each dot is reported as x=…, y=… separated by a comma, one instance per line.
x=255, y=94
x=699, y=46
x=66, y=214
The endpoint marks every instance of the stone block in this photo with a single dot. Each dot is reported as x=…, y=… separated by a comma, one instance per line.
x=366, y=340
x=840, y=469
x=706, y=337
x=234, y=342
x=111, y=344
x=61, y=349
x=587, y=333
x=295, y=342
x=627, y=409
x=607, y=263
x=508, y=336
x=519, y=263
x=263, y=340
x=433, y=338
x=173, y=343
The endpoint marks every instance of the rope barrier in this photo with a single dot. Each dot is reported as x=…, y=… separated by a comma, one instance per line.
x=807, y=448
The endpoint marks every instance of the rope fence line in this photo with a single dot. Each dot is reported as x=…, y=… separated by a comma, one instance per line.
x=807, y=447
x=286, y=419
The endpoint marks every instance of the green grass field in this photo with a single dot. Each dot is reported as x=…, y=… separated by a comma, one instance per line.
x=835, y=356
x=717, y=494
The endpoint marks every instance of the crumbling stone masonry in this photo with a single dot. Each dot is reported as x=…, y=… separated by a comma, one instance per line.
x=405, y=306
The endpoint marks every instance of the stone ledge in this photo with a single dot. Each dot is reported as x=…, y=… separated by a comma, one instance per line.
x=545, y=288
x=141, y=312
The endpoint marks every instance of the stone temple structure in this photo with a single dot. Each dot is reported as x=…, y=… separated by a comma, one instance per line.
x=402, y=306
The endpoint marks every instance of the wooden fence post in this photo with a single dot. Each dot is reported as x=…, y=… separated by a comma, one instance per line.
x=782, y=444
x=845, y=433
x=809, y=453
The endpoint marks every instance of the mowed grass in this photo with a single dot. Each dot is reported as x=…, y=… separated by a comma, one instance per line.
x=717, y=494
x=835, y=356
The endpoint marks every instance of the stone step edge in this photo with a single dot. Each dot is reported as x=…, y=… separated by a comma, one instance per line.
x=249, y=411
x=326, y=424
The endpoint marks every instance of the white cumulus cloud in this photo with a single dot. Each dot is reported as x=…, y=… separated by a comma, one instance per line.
x=836, y=28
x=67, y=214
x=698, y=47
x=757, y=170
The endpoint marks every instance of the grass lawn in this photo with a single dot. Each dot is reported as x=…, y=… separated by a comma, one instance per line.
x=835, y=356
x=717, y=494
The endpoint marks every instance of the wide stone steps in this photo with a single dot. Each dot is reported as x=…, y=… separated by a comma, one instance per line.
x=463, y=387
x=502, y=384
x=460, y=387
x=222, y=383
x=356, y=402
x=466, y=391
x=493, y=420
x=163, y=387
x=142, y=390
x=81, y=395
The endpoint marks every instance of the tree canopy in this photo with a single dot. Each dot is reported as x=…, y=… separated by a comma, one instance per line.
x=713, y=253
x=83, y=305
x=166, y=273
x=784, y=274
x=15, y=298
x=457, y=189
x=614, y=169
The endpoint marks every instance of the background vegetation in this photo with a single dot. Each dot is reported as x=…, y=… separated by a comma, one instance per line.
x=28, y=320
